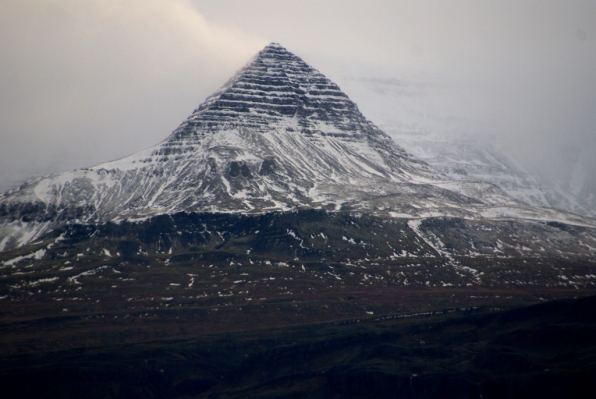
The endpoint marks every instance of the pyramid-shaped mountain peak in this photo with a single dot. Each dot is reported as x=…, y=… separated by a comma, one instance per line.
x=278, y=136
x=276, y=54
x=274, y=86
x=274, y=45
x=275, y=50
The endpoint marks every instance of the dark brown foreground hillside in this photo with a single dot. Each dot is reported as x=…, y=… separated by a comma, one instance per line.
x=299, y=305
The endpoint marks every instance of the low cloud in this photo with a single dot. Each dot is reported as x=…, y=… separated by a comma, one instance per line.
x=81, y=80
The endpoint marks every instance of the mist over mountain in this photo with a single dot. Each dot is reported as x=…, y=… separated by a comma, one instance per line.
x=410, y=109
x=278, y=136
x=78, y=77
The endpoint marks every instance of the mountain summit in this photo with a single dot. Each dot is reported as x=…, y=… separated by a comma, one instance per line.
x=278, y=136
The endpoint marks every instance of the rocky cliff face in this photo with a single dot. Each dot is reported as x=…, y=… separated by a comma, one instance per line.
x=278, y=136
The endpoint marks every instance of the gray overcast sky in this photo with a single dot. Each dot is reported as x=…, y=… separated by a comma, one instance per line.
x=83, y=82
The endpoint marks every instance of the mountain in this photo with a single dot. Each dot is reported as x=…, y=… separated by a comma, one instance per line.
x=278, y=244
x=278, y=136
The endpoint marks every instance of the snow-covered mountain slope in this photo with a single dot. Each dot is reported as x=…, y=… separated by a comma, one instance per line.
x=406, y=109
x=580, y=180
x=464, y=157
x=278, y=136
